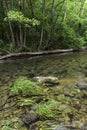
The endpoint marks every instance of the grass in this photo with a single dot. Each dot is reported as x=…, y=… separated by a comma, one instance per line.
x=24, y=86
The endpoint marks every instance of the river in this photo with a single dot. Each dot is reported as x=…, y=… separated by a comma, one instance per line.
x=71, y=71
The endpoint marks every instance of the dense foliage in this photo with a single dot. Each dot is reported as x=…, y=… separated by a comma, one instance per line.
x=34, y=25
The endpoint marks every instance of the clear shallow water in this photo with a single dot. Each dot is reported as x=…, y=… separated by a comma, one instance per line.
x=69, y=68
x=64, y=66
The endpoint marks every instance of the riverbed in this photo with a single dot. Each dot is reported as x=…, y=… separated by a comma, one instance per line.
x=70, y=93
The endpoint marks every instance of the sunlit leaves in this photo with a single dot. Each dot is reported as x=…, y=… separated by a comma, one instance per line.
x=17, y=16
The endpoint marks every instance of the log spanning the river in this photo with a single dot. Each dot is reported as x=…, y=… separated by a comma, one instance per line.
x=31, y=54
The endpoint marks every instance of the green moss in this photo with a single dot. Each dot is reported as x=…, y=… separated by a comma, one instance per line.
x=24, y=86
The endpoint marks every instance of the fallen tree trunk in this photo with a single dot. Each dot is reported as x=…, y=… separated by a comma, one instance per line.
x=31, y=54
x=25, y=54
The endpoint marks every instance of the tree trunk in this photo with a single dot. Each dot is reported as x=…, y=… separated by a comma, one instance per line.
x=12, y=44
x=42, y=30
x=21, y=36
x=52, y=22
x=17, y=39
x=12, y=4
x=65, y=10
x=20, y=27
x=32, y=8
x=24, y=37
x=80, y=14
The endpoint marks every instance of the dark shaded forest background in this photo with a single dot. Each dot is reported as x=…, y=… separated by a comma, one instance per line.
x=37, y=25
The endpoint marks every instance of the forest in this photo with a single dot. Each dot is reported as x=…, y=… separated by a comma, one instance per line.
x=38, y=25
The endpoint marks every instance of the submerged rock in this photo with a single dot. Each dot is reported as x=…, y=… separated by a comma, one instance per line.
x=85, y=126
x=34, y=127
x=48, y=80
x=30, y=118
x=82, y=84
